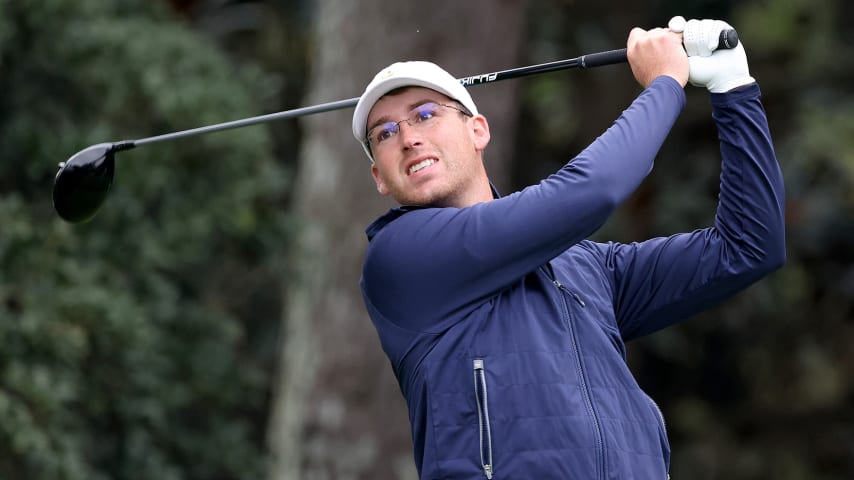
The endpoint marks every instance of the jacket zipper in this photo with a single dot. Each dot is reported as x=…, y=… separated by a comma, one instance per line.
x=483, y=418
x=663, y=424
x=660, y=414
x=585, y=389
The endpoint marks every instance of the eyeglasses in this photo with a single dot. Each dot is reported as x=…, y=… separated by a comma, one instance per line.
x=420, y=117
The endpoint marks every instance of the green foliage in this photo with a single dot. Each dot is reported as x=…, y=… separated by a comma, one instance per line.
x=138, y=345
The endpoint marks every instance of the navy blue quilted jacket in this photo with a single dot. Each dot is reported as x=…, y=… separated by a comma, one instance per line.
x=506, y=328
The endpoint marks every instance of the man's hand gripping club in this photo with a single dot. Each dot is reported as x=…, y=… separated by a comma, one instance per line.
x=719, y=70
x=656, y=52
x=688, y=52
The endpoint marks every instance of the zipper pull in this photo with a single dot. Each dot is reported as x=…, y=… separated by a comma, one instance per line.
x=574, y=295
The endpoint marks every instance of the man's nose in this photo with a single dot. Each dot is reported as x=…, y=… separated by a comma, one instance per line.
x=408, y=135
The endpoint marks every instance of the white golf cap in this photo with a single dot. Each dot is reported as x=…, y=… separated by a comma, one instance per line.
x=406, y=74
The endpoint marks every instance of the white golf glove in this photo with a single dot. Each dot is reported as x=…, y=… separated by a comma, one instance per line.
x=719, y=70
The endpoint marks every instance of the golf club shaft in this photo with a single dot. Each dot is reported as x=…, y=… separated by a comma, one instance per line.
x=585, y=61
x=727, y=39
x=600, y=59
x=297, y=112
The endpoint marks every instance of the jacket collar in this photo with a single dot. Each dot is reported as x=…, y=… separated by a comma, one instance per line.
x=397, y=212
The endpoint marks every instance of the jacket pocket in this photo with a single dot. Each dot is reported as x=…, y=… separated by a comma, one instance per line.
x=484, y=430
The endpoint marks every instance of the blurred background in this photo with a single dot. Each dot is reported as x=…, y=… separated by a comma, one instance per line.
x=207, y=324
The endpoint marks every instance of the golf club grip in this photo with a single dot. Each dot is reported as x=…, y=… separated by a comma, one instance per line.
x=603, y=58
x=728, y=39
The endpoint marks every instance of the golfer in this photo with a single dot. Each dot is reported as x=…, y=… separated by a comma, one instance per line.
x=505, y=328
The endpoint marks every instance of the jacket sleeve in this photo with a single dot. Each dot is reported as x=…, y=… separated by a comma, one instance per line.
x=428, y=268
x=661, y=281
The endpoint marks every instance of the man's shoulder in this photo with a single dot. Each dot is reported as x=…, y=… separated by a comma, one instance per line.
x=390, y=216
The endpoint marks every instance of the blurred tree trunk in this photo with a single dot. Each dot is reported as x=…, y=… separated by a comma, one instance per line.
x=338, y=412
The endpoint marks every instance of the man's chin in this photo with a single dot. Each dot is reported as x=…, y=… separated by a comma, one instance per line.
x=420, y=200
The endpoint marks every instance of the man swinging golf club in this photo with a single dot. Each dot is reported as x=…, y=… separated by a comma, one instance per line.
x=505, y=327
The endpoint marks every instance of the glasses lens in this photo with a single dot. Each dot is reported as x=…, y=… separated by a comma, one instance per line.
x=383, y=132
x=424, y=112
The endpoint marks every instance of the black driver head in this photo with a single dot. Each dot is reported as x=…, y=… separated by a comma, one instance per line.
x=83, y=181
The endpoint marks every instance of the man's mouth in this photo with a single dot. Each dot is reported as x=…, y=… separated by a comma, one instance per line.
x=421, y=165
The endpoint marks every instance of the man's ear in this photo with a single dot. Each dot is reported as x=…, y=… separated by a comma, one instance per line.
x=480, y=132
x=378, y=180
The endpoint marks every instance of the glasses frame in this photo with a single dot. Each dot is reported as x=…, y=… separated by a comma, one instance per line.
x=409, y=120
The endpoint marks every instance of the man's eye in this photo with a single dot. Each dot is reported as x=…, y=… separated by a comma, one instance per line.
x=385, y=134
x=426, y=112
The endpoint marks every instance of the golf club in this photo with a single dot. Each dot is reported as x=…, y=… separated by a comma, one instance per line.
x=83, y=181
